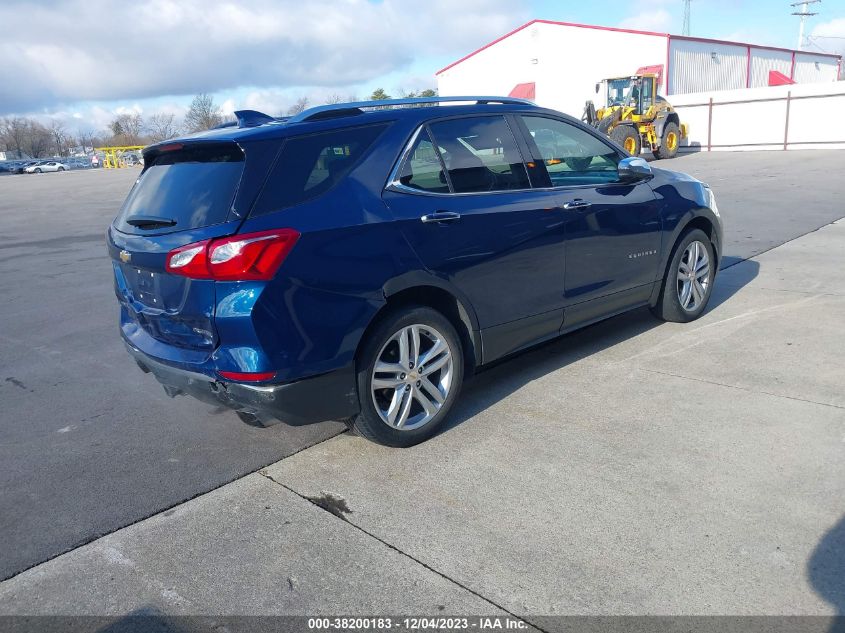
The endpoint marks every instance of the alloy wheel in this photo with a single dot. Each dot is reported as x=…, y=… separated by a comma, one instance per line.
x=693, y=276
x=412, y=377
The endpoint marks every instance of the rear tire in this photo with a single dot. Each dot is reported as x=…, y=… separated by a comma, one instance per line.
x=628, y=138
x=405, y=402
x=37, y=171
x=61, y=168
x=670, y=142
x=688, y=282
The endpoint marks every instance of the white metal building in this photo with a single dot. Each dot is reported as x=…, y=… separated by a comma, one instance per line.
x=558, y=64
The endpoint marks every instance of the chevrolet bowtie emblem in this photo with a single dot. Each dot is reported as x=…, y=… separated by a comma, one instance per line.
x=125, y=256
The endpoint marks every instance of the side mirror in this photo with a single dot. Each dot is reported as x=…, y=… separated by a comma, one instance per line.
x=634, y=169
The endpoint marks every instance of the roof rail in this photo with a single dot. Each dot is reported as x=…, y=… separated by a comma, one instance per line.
x=357, y=107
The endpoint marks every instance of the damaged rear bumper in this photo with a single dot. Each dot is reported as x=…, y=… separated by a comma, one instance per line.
x=330, y=396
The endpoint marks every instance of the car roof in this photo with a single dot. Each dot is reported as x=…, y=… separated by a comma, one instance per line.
x=252, y=125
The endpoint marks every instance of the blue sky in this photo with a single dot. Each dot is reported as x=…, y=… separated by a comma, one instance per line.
x=83, y=62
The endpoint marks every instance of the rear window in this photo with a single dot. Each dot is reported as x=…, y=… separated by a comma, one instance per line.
x=184, y=189
x=309, y=166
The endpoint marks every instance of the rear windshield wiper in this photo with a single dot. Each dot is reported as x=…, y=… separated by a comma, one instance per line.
x=149, y=221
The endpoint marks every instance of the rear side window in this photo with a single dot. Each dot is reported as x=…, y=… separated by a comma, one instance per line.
x=480, y=154
x=184, y=189
x=422, y=168
x=308, y=166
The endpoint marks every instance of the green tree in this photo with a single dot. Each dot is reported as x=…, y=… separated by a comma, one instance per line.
x=428, y=92
x=379, y=95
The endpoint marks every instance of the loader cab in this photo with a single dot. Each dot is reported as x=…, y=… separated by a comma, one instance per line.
x=637, y=92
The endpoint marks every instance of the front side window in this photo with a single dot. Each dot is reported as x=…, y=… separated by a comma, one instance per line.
x=571, y=155
x=308, y=166
x=480, y=154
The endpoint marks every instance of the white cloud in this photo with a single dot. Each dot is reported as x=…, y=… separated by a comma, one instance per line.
x=659, y=20
x=69, y=51
x=829, y=37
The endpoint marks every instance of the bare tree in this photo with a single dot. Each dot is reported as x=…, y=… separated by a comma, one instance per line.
x=59, y=137
x=126, y=129
x=334, y=98
x=162, y=127
x=298, y=106
x=14, y=132
x=86, y=137
x=203, y=114
x=37, y=140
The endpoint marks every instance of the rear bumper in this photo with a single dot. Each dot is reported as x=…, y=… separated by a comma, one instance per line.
x=330, y=396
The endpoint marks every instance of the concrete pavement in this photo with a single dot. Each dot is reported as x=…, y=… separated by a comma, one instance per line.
x=112, y=448
x=636, y=467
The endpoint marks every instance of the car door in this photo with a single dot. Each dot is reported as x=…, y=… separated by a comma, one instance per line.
x=463, y=199
x=612, y=229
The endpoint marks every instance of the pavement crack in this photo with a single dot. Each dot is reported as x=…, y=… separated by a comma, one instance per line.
x=444, y=576
x=18, y=383
x=747, y=389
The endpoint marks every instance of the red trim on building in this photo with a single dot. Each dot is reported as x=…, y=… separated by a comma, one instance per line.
x=779, y=79
x=524, y=91
x=668, y=53
x=748, y=67
x=635, y=32
x=747, y=45
x=527, y=24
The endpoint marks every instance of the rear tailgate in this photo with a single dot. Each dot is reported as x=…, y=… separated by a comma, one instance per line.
x=188, y=192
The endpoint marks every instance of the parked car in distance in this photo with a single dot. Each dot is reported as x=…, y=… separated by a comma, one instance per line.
x=357, y=262
x=20, y=166
x=46, y=166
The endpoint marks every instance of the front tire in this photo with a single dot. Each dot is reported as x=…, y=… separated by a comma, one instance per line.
x=688, y=282
x=37, y=171
x=628, y=138
x=670, y=142
x=409, y=374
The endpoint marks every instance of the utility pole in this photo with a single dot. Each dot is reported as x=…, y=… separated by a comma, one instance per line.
x=687, y=17
x=803, y=13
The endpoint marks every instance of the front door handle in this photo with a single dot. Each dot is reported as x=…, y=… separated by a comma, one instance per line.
x=441, y=216
x=577, y=205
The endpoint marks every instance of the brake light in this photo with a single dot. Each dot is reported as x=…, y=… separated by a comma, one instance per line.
x=249, y=256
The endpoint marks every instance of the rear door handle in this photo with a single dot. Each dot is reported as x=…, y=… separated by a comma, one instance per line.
x=441, y=216
x=577, y=205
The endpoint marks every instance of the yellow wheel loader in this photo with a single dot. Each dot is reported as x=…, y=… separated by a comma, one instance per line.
x=635, y=116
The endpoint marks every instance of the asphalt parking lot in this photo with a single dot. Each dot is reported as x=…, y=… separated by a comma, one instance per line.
x=635, y=467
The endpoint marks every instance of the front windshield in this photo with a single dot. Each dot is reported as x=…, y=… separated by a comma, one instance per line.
x=625, y=91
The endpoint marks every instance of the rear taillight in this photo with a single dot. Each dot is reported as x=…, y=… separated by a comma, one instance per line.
x=249, y=256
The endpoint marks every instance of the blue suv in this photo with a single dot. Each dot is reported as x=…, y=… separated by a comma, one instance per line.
x=358, y=261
